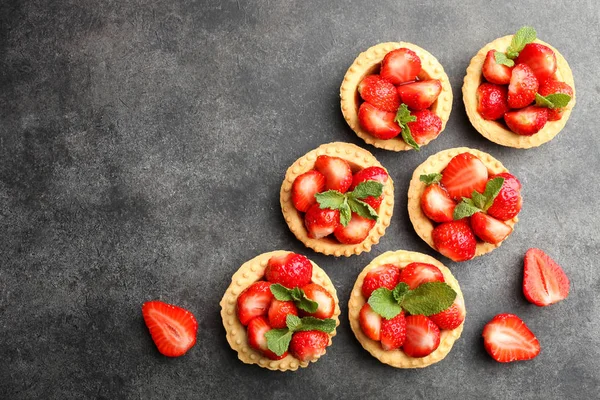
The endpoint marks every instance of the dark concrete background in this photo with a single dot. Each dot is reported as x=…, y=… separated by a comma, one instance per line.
x=142, y=147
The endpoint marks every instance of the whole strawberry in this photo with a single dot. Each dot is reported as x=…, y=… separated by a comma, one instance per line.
x=492, y=101
x=455, y=240
x=523, y=87
x=289, y=270
x=379, y=92
x=427, y=126
x=308, y=345
x=507, y=204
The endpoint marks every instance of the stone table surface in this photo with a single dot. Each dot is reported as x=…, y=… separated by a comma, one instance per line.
x=142, y=147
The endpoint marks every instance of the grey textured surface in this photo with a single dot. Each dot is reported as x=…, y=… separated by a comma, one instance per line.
x=142, y=146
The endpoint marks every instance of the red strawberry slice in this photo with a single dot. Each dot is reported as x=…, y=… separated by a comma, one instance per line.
x=370, y=174
x=463, y=174
x=278, y=312
x=541, y=59
x=526, y=121
x=379, y=92
x=437, y=204
x=552, y=87
x=393, y=332
x=400, y=66
x=509, y=180
x=173, y=329
x=357, y=230
x=420, y=95
x=452, y=317
x=422, y=336
x=489, y=229
x=544, y=281
x=455, y=240
x=507, y=204
x=338, y=175
x=386, y=276
x=494, y=72
x=427, y=126
x=254, y=301
x=377, y=122
x=304, y=189
x=370, y=322
x=289, y=270
x=492, y=101
x=523, y=87
x=324, y=299
x=417, y=273
x=257, y=328
x=321, y=222
x=308, y=345
x=506, y=338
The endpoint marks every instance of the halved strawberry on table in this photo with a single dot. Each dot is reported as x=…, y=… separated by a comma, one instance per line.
x=506, y=338
x=544, y=281
x=173, y=329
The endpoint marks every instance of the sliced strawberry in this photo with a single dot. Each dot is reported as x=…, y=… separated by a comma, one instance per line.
x=257, y=327
x=523, y=87
x=321, y=222
x=507, y=204
x=370, y=322
x=386, y=276
x=400, y=66
x=378, y=123
x=370, y=174
x=173, y=329
x=422, y=336
x=489, y=229
x=254, y=301
x=493, y=72
x=278, y=312
x=544, y=281
x=357, y=230
x=417, y=273
x=289, y=270
x=379, y=92
x=420, y=95
x=455, y=240
x=463, y=174
x=492, y=101
x=337, y=171
x=436, y=204
x=506, y=338
x=541, y=59
x=324, y=299
x=393, y=332
x=427, y=126
x=526, y=121
x=552, y=87
x=509, y=180
x=308, y=345
x=452, y=317
x=305, y=187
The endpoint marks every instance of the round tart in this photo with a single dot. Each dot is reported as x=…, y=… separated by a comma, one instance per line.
x=497, y=131
x=358, y=160
x=398, y=357
x=369, y=63
x=436, y=164
x=250, y=273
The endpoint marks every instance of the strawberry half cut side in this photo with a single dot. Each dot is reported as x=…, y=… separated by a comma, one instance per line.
x=544, y=281
x=173, y=329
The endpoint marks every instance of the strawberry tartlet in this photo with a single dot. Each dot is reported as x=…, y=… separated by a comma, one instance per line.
x=280, y=311
x=396, y=96
x=337, y=199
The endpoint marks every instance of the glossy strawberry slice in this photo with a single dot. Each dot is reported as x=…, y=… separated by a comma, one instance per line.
x=378, y=123
x=452, y=317
x=489, y=229
x=357, y=230
x=256, y=330
x=437, y=204
x=254, y=301
x=544, y=281
x=417, y=273
x=324, y=299
x=492, y=101
x=509, y=180
x=523, y=87
x=422, y=336
x=386, y=276
x=173, y=329
x=552, y=87
x=370, y=322
x=304, y=189
x=379, y=92
x=506, y=338
x=278, y=312
x=526, y=121
x=420, y=95
x=393, y=332
x=400, y=66
x=321, y=222
x=493, y=72
x=289, y=270
x=308, y=345
x=541, y=59
x=507, y=203
x=455, y=240
x=427, y=126
x=370, y=174
x=463, y=174
x=337, y=172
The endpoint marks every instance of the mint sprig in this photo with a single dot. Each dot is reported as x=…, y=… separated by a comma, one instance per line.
x=352, y=201
x=501, y=58
x=296, y=295
x=430, y=179
x=479, y=201
x=552, y=101
x=524, y=36
x=403, y=117
x=278, y=340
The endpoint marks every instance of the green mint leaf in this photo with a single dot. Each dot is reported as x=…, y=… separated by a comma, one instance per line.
x=477, y=199
x=315, y=324
x=345, y=213
x=430, y=179
x=464, y=209
x=296, y=293
x=362, y=209
x=492, y=188
x=403, y=115
x=293, y=322
x=555, y=100
x=501, y=58
x=366, y=189
x=408, y=138
x=541, y=101
x=382, y=301
x=330, y=199
x=429, y=298
x=278, y=340
x=400, y=291
x=523, y=36
x=281, y=293
x=307, y=304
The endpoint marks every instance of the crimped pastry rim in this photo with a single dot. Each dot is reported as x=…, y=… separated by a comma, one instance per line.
x=354, y=155
x=496, y=131
x=364, y=64
x=397, y=358
x=250, y=272
x=436, y=163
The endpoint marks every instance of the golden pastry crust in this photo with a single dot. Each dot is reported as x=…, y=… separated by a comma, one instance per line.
x=436, y=163
x=368, y=63
x=250, y=272
x=397, y=358
x=496, y=131
x=358, y=158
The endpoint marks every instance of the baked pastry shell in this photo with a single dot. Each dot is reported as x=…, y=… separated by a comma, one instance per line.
x=397, y=358
x=250, y=272
x=358, y=158
x=496, y=131
x=368, y=63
